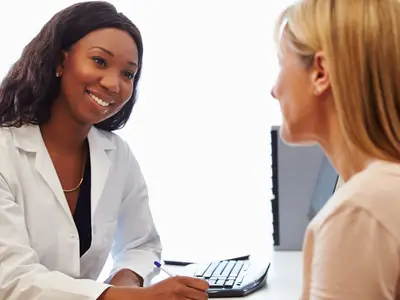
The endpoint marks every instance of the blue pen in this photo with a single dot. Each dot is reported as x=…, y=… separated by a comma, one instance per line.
x=158, y=265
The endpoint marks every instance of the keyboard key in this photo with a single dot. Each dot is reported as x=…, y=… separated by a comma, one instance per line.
x=214, y=278
x=231, y=277
x=237, y=268
x=211, y=282
x=229, y=268
x=221, y=281
x=220, y=277
x=200, y=271
x=229, y=283
x=218, y=284
x=210, y=270
x=220, y=268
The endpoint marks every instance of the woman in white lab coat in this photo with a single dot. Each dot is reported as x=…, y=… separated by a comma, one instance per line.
x=70, y=189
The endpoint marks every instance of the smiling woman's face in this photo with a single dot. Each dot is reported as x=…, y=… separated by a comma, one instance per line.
x=97, y=75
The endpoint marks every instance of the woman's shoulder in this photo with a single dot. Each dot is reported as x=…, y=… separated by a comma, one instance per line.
x=8, y=141
x=375, y=192
x=113, y=141
x=109, y=139
x=6, y=134
x=377, y=187
x=10, y=145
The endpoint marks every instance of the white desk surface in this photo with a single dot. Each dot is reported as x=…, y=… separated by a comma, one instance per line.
x=284, y=278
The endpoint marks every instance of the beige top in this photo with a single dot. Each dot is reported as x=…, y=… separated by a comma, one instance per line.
x=352, y=247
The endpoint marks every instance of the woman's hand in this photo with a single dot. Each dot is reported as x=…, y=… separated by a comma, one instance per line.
x=178, y=288
x=173, y=288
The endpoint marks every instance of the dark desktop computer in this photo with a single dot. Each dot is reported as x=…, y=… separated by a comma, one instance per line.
x=303, y=180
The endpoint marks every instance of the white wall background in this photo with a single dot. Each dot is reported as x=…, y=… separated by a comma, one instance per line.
x=200, y=129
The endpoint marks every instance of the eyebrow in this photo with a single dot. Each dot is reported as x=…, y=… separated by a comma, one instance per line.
x=112, y=54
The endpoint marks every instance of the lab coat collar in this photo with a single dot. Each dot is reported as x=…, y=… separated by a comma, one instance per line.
x=29, y=139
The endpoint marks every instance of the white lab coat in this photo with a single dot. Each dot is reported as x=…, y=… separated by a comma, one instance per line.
x=39, y=243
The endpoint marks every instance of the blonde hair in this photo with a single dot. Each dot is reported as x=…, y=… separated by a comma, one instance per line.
x=361, y=42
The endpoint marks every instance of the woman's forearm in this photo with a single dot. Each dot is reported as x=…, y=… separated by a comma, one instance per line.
x=126, y=277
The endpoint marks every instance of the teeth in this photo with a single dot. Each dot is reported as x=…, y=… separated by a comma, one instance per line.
x=99, y=101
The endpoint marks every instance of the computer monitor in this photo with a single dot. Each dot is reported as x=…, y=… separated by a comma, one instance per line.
x=303, y=180
x=339, y=183
x=325, y=185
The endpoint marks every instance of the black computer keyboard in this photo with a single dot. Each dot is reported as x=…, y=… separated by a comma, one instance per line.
x=232, y=278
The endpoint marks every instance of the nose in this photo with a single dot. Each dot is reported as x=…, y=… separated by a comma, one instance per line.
x=111, y=81
x=273, y=92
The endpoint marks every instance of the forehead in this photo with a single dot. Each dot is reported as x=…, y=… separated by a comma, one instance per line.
x=285, y=51
x=283, y=47
x=117, y=41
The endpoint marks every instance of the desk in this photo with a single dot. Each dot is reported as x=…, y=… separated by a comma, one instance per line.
x=284, y=278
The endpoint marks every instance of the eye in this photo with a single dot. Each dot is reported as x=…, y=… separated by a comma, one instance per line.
x=100, y=61
x=129, y=74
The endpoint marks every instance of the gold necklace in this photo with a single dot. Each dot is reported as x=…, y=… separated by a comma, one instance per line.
x=83, y=173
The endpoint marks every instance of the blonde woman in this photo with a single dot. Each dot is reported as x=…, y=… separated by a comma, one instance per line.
x=339, y=86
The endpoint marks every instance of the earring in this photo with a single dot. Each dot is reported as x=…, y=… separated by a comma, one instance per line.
x=58, y=74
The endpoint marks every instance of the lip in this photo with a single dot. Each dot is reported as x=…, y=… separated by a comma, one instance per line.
x=102, y=96
x=100, y=110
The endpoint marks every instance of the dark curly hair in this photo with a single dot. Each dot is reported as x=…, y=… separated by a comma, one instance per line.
x=29, y=89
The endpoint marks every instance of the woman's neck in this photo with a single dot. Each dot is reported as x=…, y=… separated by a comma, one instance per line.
x=63, y=135
x=347, y=162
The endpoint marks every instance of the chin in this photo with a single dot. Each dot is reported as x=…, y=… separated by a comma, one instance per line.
x=86, y=120
x=294, y=137
x=90, y=118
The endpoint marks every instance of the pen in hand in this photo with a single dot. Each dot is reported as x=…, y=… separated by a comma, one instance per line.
x=158, y=265
x=196, y=287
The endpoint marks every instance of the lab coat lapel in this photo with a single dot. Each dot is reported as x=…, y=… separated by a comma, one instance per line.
x=100, y=162
x=45, y=167
x=29, y=139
